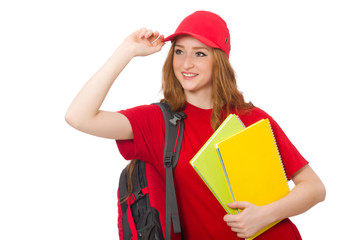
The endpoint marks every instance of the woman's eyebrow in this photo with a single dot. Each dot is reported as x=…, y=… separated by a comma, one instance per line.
x=194, y=48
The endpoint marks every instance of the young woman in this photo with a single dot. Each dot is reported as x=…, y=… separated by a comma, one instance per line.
x=199, y=80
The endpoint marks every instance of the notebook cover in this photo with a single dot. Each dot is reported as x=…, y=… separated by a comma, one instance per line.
x=207, y=164
x=253, y=166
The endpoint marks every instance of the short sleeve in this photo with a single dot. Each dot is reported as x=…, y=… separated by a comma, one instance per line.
x=291, y=157
x=148, y=133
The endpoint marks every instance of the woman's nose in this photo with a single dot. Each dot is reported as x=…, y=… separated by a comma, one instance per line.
x=188, y=62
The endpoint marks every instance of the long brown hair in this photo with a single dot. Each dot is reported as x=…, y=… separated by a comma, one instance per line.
x=129, y=174
x=172, y=90
x=225, y=94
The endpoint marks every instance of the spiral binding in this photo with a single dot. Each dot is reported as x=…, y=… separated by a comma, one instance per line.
x=279, y=155
x=237, y=116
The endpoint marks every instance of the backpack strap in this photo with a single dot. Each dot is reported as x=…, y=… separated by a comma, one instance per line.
x=131, y=200
x=174, y=127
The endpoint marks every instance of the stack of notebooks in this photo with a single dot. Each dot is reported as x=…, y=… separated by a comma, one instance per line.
x=242, y=164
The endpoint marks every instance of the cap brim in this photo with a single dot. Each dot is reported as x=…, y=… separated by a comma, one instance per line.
x=198, y=37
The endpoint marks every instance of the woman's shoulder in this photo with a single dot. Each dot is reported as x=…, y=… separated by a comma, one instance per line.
x=252, y=115
x=148, y=116
x=141, y=110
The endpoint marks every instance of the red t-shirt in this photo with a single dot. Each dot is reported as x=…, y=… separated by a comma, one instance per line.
x=201, y=215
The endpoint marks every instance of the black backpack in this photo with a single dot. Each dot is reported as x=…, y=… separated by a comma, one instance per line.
x=138, y=219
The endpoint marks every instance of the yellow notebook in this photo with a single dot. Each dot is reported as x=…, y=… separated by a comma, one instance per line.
x=253, y=166
x=207, y=164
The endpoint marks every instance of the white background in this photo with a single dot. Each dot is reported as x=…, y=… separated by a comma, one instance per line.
x=300, y=61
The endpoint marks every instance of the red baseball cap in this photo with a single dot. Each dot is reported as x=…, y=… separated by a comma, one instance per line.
x=207, y=27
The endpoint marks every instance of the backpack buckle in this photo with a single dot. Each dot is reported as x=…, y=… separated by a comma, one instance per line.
x=177, y=117
x=137, y=195
x=168, y=160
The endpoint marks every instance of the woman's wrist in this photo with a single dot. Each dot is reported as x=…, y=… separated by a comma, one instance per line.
x=270, y=214
x=123, y=53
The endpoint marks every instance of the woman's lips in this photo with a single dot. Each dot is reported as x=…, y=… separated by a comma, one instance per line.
x=188, y=75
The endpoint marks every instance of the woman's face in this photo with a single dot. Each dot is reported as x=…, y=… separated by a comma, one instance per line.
x=192, y=64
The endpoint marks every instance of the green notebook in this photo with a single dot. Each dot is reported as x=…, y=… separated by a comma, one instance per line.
x=207, y=164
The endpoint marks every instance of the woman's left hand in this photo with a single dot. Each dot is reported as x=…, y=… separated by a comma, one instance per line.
x=249, y=221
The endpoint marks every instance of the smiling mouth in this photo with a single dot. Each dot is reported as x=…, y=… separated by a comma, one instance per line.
x=189, y=75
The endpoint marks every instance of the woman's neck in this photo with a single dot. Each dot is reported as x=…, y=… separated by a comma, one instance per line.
x=199, y=99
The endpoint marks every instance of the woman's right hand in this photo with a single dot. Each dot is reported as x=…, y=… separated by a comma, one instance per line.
x=144, y=42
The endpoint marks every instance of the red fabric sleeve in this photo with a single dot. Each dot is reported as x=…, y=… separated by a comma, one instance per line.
x=291, y=157
x=148, y=132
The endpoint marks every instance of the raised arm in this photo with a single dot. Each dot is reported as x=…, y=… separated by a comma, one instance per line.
x=84, y=113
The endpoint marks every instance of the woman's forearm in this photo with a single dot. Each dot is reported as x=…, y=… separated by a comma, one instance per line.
x=308, y=191
x=87, y=103
x=84, y=113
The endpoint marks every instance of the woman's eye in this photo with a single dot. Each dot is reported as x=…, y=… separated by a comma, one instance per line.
x=178, y=51
x=200, y=54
